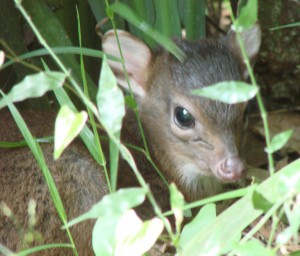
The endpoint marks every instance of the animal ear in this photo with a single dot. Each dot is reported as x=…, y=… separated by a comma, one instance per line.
x=137, y=58
x=251, y=39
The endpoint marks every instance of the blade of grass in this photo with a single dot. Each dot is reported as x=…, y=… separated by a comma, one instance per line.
x=167, y=18
x=23, y=143
x=42, y=248
x=193, y=13
x=127, y=13
x=59, y=50
x=142, y=10
x=296, y=24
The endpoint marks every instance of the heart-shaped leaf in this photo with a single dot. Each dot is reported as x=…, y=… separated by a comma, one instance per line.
x=114, y=204
x=67, y=126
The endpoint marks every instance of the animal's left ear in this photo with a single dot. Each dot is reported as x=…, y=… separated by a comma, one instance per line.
x=251, y=39
x=137, y=57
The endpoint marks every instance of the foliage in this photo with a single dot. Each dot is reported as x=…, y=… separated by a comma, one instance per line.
x=207, y=234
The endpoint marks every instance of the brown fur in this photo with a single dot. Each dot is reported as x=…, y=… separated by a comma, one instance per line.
x=22, y=180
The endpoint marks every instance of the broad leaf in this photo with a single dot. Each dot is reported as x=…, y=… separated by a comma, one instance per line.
x=110, y=100
x=219, y=236
x=125, y=234
x=228, y=92
x=279, y=140
x=247, y=15
x=67, y=126
x=205, y=216
x=104, y=235
x=86, y=134
x=253, y=248
x=34, y=86
x=134, y=237
x=114, y=204
x=260, y=202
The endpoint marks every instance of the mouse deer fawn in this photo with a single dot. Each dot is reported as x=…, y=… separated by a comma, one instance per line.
x=194, y=141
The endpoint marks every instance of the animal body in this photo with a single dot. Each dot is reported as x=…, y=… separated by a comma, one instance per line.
x=195, y=142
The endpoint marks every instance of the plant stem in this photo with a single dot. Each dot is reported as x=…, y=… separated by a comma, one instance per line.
x=141, y=180
x=258, y=98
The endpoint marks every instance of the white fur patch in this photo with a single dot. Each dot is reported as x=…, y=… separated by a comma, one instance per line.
x=199, y=182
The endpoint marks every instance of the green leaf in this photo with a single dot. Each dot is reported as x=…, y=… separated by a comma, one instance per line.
x=133, y=237
x=296, y=253
x=220, y=235
x=247, y=15
x=111, y=106
x=104, y=242
x=125, y=234
x=253, y=248
x=260, y=202
x=205, y=216
x=228, y=92
x=279, y=140
x=289, y=183
x=177, y=204
x=110, y=100
x=67, y=126
x=86, y=134
x=34, y=86
x=113, y=204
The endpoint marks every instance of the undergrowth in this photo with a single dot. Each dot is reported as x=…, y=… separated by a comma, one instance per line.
x=207, y=234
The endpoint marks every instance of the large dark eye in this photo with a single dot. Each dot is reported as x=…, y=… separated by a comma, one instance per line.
x=183, y=118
